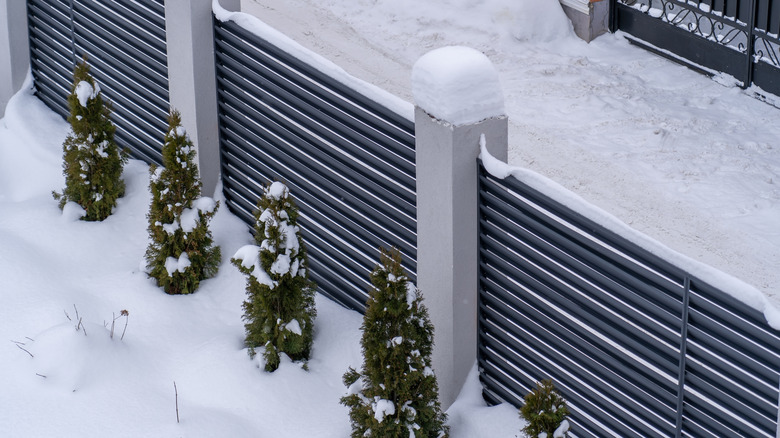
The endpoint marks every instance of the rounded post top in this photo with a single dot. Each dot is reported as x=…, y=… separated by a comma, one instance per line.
x=458, y=85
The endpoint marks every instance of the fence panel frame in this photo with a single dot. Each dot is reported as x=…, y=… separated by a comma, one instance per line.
x=735, y=339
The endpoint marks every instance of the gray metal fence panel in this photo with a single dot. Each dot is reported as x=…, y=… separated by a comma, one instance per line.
x=51, y=52
x=636, y=345
x=349, y=162
x=124, y=41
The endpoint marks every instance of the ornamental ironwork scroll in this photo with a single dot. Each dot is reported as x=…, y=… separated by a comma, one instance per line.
x=697, y=18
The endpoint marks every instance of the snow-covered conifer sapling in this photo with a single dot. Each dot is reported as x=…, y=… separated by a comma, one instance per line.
x=181, y=249
x=395, y=394
x=545, y=412
x=279, y=310
x=92, y=161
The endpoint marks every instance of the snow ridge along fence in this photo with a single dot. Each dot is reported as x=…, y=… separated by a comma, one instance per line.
x=637, y=346
x=349, y=161
x=125, y=44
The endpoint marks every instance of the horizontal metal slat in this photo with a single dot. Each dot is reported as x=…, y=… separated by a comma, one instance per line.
x=125, y=114
x=598, y=256
x=577, y=400
x=312, y=206
x=121, y=57
x=394, y=120
x=609, y=294
x=315, y=114
x=738, y=316
x=328, y=215
x=729, y=361
x=152, y=111
x=325, y=186
x=53, y=101
x=535, y=320
x=370, y=163
x=311, y=225
x=733, y=345
x=729, y=396
x=623, y=386
x=146, y=24
x=123, y=38
x=151, y=11
x=333, y=278
x=720, y=423
x=54, y=59
x=494, y=392
x=588, y=230
x=528, y=281
x=54, y=22
x=45, y=70
x=648, y=380
x=399, y=205
x=321, y=265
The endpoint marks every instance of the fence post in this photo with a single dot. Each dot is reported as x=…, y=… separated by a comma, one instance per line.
x=192, y=81
x=458, y=98
x=14, y=49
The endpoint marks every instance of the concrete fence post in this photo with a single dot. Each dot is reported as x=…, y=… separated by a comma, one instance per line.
x=457, y=99
x=14, y=49
x=192, y=81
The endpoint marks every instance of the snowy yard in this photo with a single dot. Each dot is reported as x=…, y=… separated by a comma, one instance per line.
x=692, y=163
x=58, y=381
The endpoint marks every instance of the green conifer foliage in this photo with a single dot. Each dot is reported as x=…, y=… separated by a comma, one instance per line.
x=279, y=310
x=181, y=250
x=545, y=412
x=396, y=393
x=92, y=161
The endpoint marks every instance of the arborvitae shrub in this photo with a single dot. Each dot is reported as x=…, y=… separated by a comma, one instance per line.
x=545, y=412
x=92, y=161
x=395, y=394
x=279, y=310
x=181, y=250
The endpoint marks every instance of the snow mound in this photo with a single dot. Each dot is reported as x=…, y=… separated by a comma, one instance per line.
x=458, y=85
x=70, y=360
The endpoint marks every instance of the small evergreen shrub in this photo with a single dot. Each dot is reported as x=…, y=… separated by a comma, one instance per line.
x=92, y=161
x=395, y=394
x=545, y=412
x=181, y=250
x=279, y=310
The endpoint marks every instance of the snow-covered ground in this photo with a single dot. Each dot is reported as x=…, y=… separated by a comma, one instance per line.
x=59, y=381
x=690, y=162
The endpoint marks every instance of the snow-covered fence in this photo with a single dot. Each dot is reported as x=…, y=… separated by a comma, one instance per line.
x=633, y=335
x=125, y=46
x=345, y=150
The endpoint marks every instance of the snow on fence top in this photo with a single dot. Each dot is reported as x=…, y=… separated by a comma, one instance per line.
x=458, y=85
x=725, y=282
x=283, y=42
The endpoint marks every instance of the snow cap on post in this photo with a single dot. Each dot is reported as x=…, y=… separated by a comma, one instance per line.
x=458, y=85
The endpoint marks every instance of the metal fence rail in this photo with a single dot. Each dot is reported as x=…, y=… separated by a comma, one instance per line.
x=636, y=345
x=125, y=44
x=348, y=161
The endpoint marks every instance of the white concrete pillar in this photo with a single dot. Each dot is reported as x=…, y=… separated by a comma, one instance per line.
x=590, y=18
x=14, y=49
x=192, y=81
x=458, y=98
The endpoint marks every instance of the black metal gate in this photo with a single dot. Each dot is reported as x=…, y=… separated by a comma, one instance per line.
x=738, y=37
x=125, y=43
